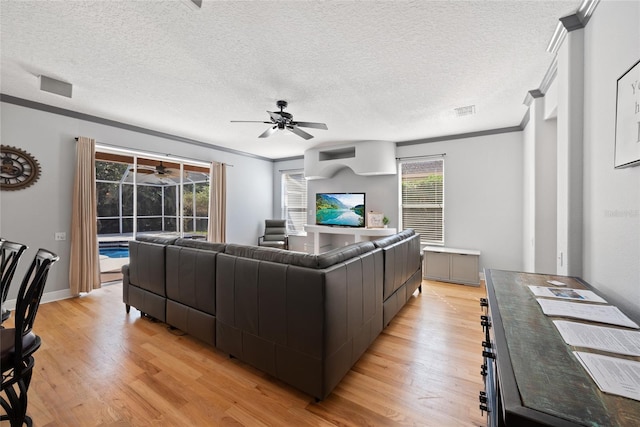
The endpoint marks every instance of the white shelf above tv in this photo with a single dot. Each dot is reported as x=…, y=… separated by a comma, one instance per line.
x=359, y=233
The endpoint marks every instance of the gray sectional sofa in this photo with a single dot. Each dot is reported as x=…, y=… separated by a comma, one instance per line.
x=305, y=319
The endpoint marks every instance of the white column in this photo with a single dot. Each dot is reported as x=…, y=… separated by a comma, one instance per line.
x=570, y=153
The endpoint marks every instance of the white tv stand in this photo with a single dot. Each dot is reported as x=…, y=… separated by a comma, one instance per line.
x=359, y=234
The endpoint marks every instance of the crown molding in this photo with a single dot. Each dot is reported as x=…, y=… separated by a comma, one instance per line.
x=557, y=38
x=285, y=159
x=525, y=119
x=548, y=78
x=585, y=10
x=95, y=119
x=566, y=24
x=460, y=136
x=572, y=22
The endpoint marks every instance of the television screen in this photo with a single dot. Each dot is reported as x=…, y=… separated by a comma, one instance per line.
x=342, y=209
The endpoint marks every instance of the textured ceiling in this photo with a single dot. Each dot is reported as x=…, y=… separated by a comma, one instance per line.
x=370, y=70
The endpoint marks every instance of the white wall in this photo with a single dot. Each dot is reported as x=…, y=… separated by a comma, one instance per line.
x=529, y=197
x=611, y=253
x=483, y=195
x=34, y=214
x=570, y=138
x=278, y=168
x=381, y=192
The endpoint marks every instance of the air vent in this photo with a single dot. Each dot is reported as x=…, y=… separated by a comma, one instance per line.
x=469, y=110
x=58, y=87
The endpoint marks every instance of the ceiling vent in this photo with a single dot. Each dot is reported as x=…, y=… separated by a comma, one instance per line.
x=58, y=87
x=469, y=110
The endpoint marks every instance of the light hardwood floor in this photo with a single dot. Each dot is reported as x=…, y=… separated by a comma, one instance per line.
x=99, y=366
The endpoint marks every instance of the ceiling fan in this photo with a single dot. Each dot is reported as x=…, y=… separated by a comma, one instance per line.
x=160, y=171
x=281, y=120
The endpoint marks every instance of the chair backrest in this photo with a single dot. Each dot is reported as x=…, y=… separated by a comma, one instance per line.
x=30, y=294
x=10, y=253
x=275, y=229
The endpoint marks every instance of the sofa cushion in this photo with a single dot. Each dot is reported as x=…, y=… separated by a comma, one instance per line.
x=300, y=259
x=201, y=244
x=390, y=240
x=338, y=255
x=263, y=253
x=160, y=240
x=191, y=276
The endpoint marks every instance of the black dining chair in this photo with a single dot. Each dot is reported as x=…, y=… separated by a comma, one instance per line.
x=10, y=253
x=18, y=344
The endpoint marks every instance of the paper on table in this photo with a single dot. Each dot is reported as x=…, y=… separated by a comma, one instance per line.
x=556, y=283
x=600, y=337
x=611, y=374
x=596, y=313
x=566, y=293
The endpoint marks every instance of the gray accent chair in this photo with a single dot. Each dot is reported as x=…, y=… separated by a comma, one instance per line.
x=275, y=234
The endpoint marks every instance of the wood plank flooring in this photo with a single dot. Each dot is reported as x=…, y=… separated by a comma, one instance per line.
x=99, y=366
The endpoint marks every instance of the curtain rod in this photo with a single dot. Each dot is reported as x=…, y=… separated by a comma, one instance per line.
x=150, y=153
x=422, y=157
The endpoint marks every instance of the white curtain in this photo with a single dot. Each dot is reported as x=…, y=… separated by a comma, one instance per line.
x=217, y=203
x=84, y=263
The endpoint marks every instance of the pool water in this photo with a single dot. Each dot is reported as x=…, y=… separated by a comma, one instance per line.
x=115, y=252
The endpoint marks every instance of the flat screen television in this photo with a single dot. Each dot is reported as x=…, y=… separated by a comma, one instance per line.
x=340, y=209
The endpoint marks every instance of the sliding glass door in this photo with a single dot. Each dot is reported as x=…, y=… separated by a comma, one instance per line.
x=137, y=194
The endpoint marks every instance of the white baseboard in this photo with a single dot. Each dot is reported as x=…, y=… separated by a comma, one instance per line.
x=10, y=304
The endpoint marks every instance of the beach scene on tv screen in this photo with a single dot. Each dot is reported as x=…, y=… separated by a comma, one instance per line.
x=340, y=209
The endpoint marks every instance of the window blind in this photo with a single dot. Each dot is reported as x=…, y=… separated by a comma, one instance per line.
x=423, y=198
x=294, y=200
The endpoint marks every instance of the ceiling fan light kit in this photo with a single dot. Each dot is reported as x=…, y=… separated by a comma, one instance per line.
x=282, y=120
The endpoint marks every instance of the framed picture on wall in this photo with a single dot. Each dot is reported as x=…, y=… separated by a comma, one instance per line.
x=627, y=143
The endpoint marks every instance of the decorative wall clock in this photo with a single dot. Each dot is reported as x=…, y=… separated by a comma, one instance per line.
x=18, y=169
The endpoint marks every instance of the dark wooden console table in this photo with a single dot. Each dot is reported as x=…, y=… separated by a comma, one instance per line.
x=531, y=376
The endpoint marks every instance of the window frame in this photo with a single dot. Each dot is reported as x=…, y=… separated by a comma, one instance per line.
x=438, y=230
x=301, y=210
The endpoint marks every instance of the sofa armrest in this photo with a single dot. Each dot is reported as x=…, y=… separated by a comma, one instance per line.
x=401, y=261
x=147, y=266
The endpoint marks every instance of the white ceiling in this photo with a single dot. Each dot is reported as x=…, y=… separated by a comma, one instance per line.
x=370, y=70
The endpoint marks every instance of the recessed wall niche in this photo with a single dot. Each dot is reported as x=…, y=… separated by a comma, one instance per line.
x=341, y=153
x=364, y=158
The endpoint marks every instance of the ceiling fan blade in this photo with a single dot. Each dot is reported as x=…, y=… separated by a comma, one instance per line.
x=268, y=132
x=300, y=132
x=168, y=173
x=311, y=125
x=140, y=170
x=249, y=121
